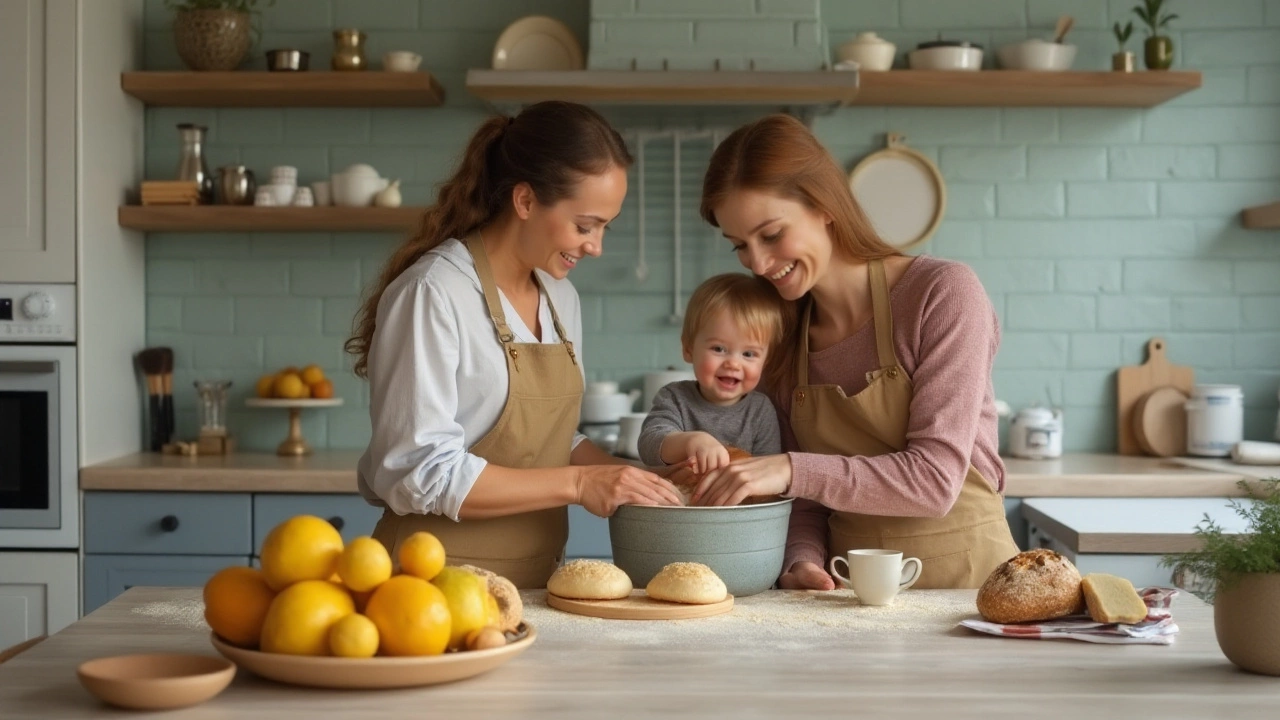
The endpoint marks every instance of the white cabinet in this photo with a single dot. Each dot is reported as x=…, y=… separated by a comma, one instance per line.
x=38, y=47
x=39, y=593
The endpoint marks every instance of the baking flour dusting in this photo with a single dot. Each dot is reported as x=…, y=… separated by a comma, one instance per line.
x=187, y=613
x=785, y=615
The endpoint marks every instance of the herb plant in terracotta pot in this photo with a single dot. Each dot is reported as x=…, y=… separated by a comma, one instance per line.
x=214, y=34
x=1158, y=49
x=1244, y=572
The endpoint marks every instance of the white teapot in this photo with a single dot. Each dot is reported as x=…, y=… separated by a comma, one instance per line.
x=603, y=403
x=356, y=186
x=1035, y=433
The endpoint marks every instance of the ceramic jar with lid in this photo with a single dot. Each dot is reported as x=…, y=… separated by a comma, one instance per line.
x=1035, y=433
x=869, y=50
x=1215, y=420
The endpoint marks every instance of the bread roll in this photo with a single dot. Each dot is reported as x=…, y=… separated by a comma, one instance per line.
x=687, y=582
x=1112, y=599
x=589, y=580
x=1032, y=586
x=508, y=597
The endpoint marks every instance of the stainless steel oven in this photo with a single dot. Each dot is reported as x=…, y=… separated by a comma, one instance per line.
x=38, y=444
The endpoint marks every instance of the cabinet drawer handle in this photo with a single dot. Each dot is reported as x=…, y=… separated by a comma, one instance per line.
x=337, y=522
x=169, y=523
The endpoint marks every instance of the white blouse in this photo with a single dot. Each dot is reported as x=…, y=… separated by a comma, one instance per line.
x=438, y=380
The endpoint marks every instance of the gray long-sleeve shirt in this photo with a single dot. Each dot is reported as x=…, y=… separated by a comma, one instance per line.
x=750, y=424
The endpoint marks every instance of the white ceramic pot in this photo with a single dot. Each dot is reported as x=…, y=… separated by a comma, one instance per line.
x=401, y=61
x=654, y=381
x=946, y=57
x=356, y=186
x=1035, y=433
x=629, y=426
x=869, y=50
x=1036, y=54
x=607, y=407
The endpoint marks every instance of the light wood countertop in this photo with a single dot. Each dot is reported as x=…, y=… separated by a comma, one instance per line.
x=1131, y=525
x=592, y=668
x=333, y=471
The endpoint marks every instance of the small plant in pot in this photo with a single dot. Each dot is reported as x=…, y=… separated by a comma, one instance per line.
x=214, y=35
x=1122, y=60
x=1244, y=575
x=1158, y=49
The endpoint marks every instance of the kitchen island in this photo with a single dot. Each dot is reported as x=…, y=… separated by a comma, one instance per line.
x=776, y=654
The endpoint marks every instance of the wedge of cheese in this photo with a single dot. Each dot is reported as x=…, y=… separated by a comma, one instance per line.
x=1112, y=599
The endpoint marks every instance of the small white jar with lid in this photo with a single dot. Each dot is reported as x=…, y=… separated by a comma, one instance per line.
x=1215, y=420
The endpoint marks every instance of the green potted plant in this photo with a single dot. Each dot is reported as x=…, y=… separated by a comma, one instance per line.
x=1158, y=49
x=1243, y=575
x=214, y=34
x=1122, y=60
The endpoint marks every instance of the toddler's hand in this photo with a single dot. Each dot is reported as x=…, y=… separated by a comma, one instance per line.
x=706, y=454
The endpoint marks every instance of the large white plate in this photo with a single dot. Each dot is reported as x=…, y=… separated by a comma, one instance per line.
x=537, y=43
x=902, y=193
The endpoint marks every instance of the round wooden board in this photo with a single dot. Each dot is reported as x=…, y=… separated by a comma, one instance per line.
x=639, y=607
x=1160, y=422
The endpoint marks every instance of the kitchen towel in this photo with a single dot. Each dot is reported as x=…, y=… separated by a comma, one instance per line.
x=1157, y=629
x=1252, y=452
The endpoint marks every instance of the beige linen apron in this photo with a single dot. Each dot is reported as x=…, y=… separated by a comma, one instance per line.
x=535, y=430
x=959, y=550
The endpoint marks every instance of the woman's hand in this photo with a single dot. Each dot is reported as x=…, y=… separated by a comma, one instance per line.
x=763, y=475
x=602, y=488
x=806, y=576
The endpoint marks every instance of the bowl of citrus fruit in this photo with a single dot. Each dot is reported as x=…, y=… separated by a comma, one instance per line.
x=324, y=613
x=294, y=390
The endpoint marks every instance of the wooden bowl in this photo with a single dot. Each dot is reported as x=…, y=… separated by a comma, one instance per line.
x=159, y=681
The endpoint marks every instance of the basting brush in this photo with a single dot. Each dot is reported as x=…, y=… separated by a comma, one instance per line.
x=151, y=361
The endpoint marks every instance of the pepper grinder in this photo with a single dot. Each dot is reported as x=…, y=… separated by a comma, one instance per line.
x=348, y=50
x=191, y=167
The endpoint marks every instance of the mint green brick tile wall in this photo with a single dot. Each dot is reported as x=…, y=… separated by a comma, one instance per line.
x=1092, y=229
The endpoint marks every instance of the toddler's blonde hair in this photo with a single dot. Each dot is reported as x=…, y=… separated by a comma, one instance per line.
x=752, y=303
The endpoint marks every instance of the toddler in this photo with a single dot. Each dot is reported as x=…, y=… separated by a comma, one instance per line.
x=730, y=325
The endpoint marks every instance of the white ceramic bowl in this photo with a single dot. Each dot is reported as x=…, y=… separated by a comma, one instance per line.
x=401, y=61
x=281, y=193
x=1036, y=54
x=870, y=52
x=607, y=408
x=945, y=58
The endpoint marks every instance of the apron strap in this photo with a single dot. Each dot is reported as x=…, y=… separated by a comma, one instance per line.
x=802, y=357
x=882, y=314
x=489, y=289
x=555, y=320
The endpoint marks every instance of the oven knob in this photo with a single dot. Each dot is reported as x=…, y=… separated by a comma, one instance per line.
x=37, y=305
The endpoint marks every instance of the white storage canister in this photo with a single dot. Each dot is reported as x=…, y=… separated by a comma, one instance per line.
x=1215, y=420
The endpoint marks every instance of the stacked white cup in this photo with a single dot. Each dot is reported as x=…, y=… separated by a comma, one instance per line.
x=284, y=183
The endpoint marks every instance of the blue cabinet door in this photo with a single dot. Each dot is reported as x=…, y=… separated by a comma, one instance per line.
x=106, y=576
x=173, y=523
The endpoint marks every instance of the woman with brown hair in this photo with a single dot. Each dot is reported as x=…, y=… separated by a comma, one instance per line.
x=883, y=385
x=470, y=344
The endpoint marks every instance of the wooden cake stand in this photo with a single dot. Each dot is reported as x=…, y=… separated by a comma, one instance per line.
x=295, y=444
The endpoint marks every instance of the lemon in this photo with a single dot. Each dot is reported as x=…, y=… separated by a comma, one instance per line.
x=266, y=386
x=301, y=616
x=422, y=555
x=236, y=600
x=303, y=547
x=364, y=564
x=290, y=385
x=312, y=374
x=412, y=616
x=470, y=604
x=353, y=636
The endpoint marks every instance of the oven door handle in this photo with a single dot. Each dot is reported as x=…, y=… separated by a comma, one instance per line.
x=28, y=367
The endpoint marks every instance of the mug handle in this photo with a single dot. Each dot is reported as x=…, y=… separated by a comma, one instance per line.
x=844, y=579
x=917, y=568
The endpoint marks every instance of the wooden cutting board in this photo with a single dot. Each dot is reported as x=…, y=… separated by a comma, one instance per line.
x=1135, y=381
x=639, y=607
x=1160, y=422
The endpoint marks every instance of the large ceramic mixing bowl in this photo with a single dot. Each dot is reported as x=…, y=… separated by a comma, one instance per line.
x=742, y=544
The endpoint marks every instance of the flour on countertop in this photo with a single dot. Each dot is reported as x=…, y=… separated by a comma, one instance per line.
x=783, y=615
x=187, y=613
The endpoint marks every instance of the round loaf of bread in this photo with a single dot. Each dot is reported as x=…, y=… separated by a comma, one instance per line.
x=508, y=597
x=589, y=580
x=1031, y=586
x=687, y=582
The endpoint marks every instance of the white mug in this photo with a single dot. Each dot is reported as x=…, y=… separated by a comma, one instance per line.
x=876, y=576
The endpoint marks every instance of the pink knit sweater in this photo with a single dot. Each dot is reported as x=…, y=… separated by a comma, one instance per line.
x=945, y=334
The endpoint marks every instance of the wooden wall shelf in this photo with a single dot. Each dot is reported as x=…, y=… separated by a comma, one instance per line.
x=657, y=87
x=237, y=218
x=1022, y=88
x=991, y=88
x=284, y=89
x=1262, y=217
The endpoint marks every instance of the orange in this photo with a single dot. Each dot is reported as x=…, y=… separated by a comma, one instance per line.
x=322, y=389
x=266, y=386
x=470, y=604
x=422, y=555
x=365, y=564
x=236, y=600
x=301, y=616
x=312, y=374
x=353, y=636
x=303, y=547
x=412, y=616
x=290, y=385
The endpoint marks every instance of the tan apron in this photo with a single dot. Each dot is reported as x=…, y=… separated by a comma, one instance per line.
x=535, y=430
x=959, y=550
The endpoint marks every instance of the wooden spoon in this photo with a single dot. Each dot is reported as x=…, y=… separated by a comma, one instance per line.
x=1064, y=25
